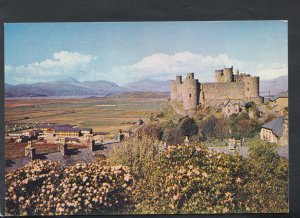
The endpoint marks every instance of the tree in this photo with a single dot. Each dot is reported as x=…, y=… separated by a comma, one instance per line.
x=188, y=127
x=208, y=127
x=172, y=136
x=153, y=130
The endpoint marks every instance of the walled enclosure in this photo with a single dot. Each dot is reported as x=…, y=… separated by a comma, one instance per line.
x=236, y=87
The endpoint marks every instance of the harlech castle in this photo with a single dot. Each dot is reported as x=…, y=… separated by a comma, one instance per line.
x=239, y=87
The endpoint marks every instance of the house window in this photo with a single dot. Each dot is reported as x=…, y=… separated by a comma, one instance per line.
x=247, y=88
x=228, y=110
x=190, y=95
x=236, y=110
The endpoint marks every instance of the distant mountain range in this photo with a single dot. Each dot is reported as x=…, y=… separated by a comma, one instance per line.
x=275, y=86
x=148, y=86
x=68, y=87
x=100, y=88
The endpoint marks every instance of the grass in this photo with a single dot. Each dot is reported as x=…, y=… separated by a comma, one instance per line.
x=214, y=143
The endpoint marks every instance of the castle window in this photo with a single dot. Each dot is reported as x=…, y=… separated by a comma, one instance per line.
x=248, y=89
x=228, y=110
x=190, y=95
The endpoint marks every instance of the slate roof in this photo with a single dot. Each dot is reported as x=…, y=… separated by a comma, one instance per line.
x=86, y=129
x=42, y=125
x=276, y=126
x=61, y=128
x=280, y=95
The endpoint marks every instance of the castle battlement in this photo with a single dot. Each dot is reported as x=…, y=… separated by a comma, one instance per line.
x=240, y=86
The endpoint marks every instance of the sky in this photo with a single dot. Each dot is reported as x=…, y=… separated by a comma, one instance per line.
x=124, y=52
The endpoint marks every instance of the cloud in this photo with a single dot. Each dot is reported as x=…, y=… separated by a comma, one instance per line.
x=63, y=64
x=165, y=67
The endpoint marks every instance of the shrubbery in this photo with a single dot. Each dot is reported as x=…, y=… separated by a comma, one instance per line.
x=140, y=176
x=43, y=188
x=192, y=179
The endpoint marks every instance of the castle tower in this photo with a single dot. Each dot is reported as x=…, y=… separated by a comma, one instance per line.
x=228, y=74
x=173, y=90
x=176, y=89
x=251, y=87
x=219, y=76
x=190, y=92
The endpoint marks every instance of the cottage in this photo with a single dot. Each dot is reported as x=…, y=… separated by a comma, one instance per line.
x=280, y=99
x=272, y=131
x=230, y=108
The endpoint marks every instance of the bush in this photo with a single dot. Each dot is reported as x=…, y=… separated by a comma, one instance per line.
x=188, y=127
x=242, y=126
x=271, y=178
x=172, y=136
x=43, y=188
x=153, y=130
x=137, y=154
x=208, y=127
x=191, y=179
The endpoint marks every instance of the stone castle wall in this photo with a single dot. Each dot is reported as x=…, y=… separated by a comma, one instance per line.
x=210, y=92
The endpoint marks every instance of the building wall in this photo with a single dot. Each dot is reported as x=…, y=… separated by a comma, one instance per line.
x=267, y=135
x=221, y=91
x=67, y=133
x=282, y=102
x=230, y=109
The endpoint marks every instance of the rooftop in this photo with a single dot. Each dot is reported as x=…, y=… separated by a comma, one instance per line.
x=276, y=126
x=66, y=128
x=280, y=95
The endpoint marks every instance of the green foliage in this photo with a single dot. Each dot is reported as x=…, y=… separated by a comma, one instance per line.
x=173, y=136
x=269, y=187
x=208, y=127
x=137, y=153
x=153, y=130
x=188, y=127
x=192, y=179
x=242, y=126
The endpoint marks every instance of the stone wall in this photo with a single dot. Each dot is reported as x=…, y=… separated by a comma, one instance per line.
x=221, y=91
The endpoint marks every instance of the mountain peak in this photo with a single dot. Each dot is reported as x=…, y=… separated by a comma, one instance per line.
x=71, y=79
